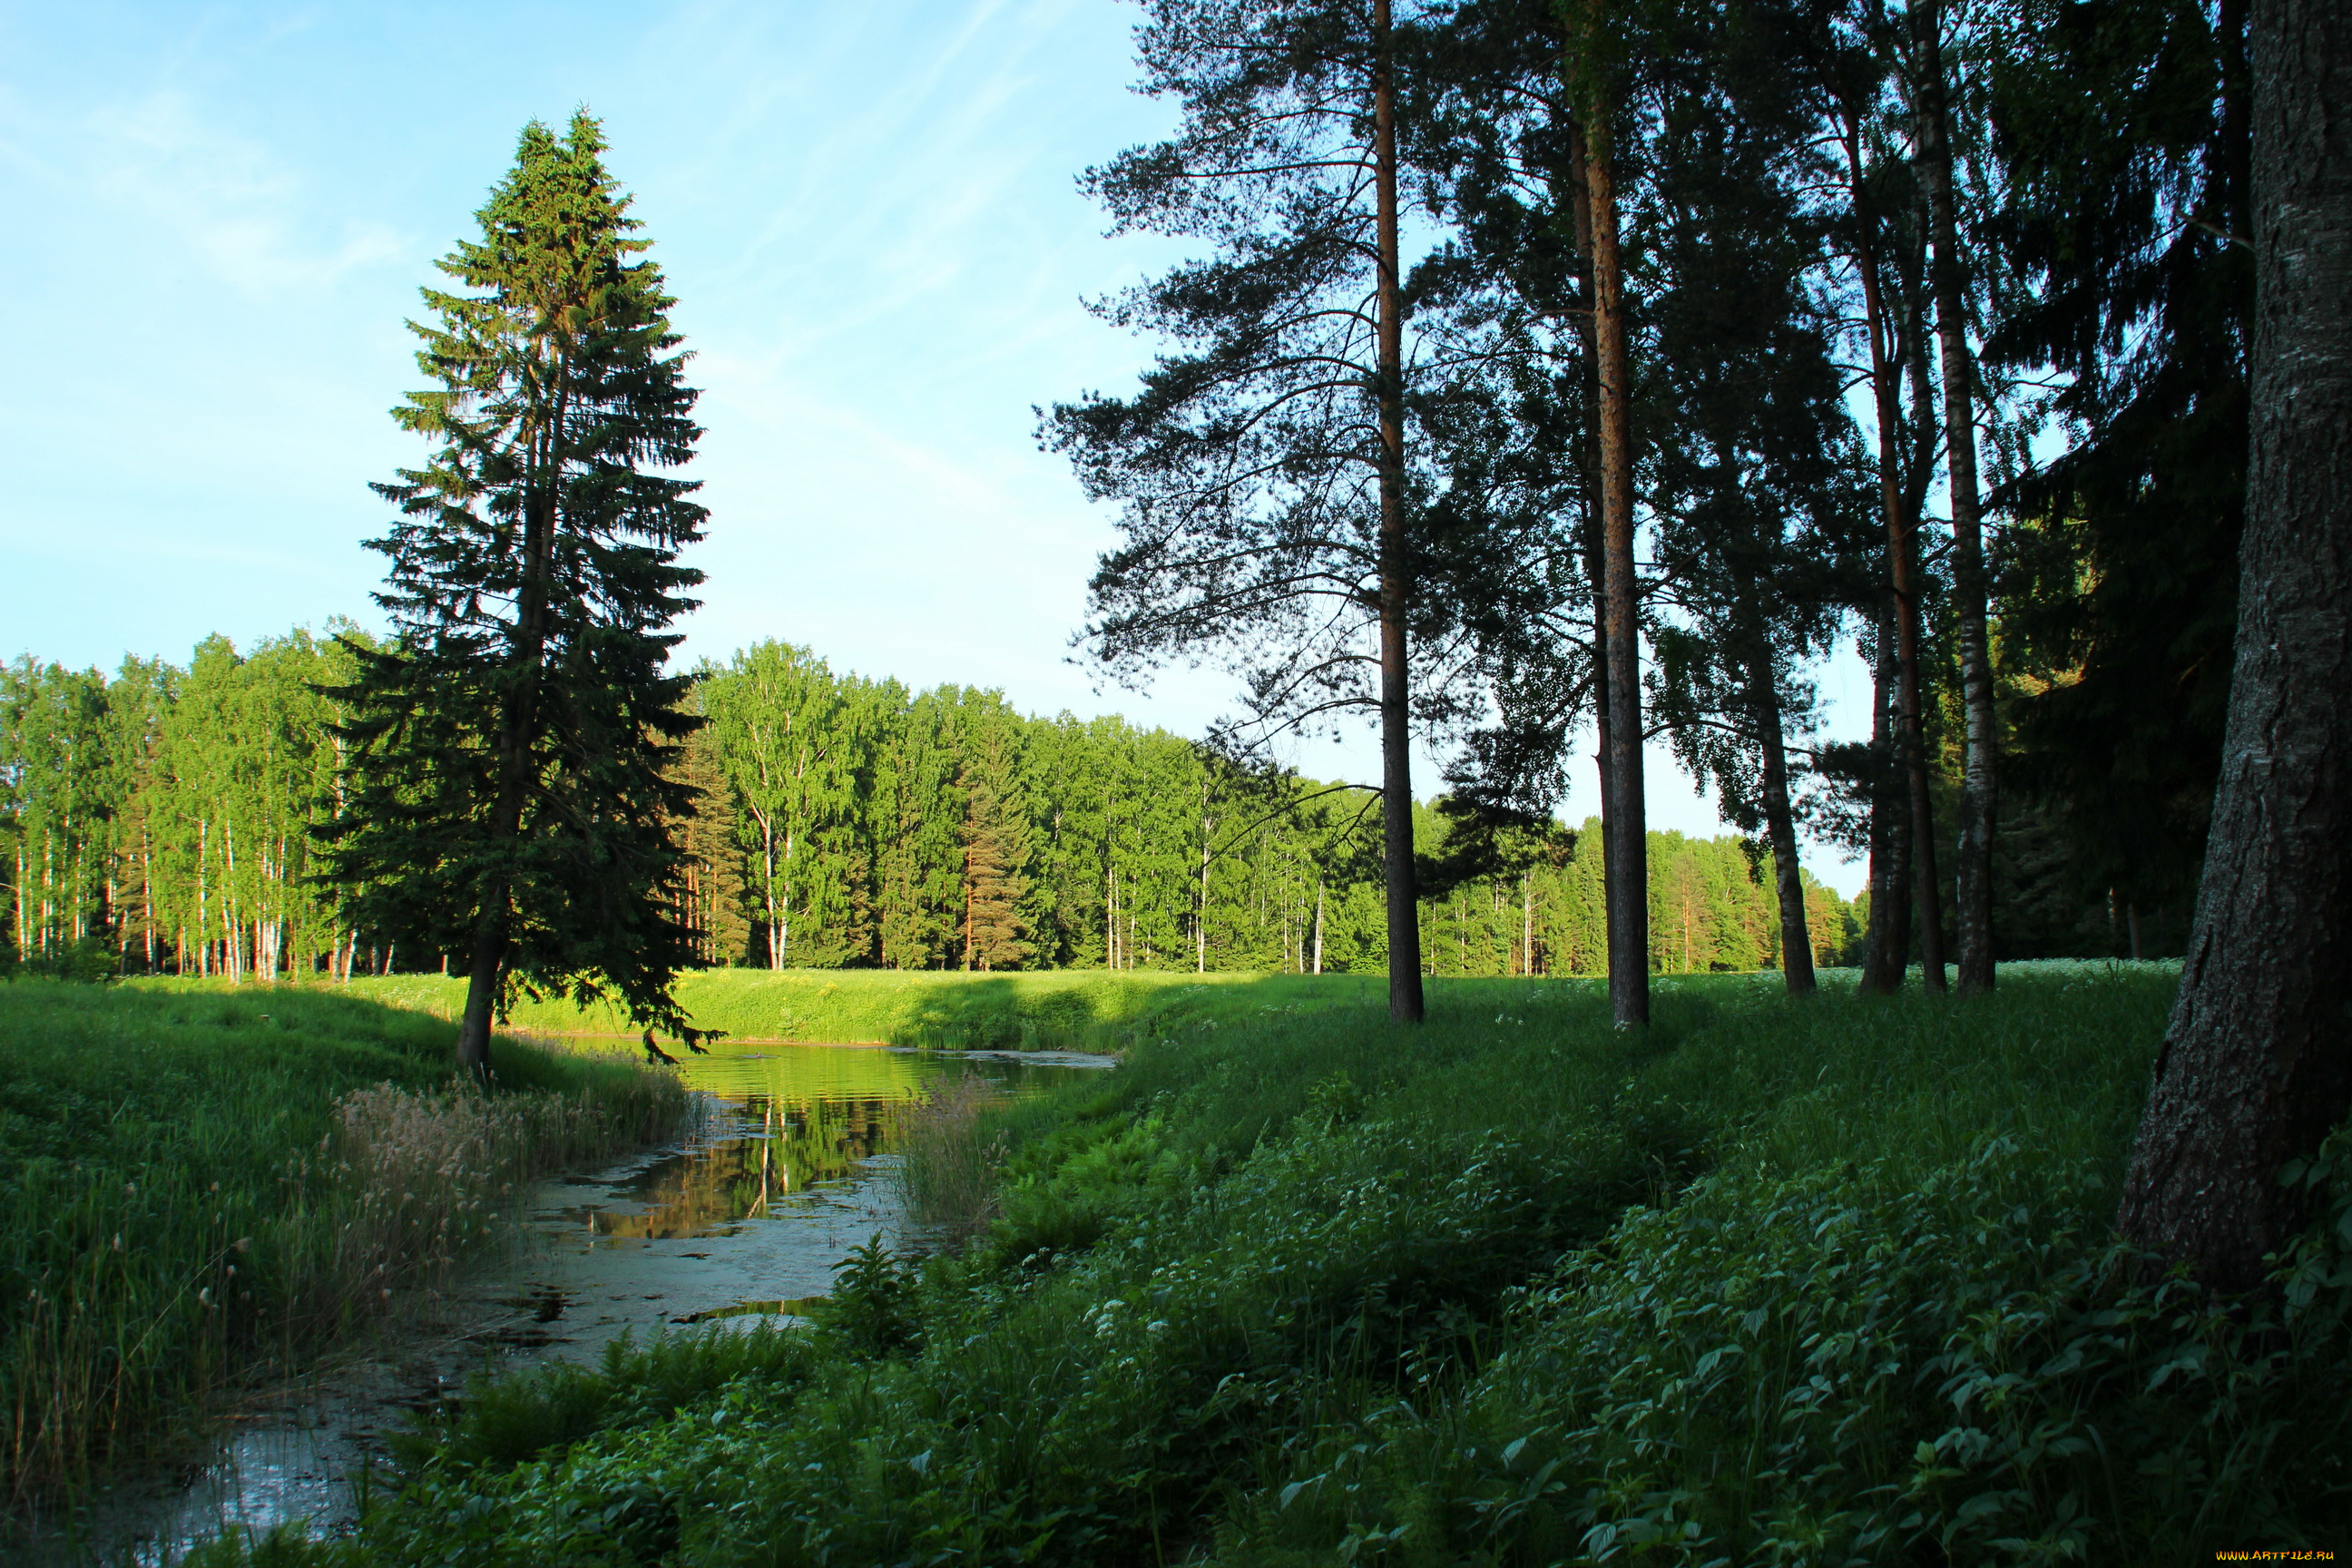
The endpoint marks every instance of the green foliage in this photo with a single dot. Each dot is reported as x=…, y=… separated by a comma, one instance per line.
x=507, y=793
x=185, y=1189
x=1780, y=1282
x=2124, y=198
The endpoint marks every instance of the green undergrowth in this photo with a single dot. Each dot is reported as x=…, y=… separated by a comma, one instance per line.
x=949, y=1010
x=196, y=1182
x=1822, y=1283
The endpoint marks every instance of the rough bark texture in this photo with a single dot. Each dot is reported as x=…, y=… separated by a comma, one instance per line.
x=1888, y=945
x=1972, y=893
x=1405, y=1004
x=2257, y=1065
x=1895, y=828
x=1596, y=571
x=1627, y=862
x=1780, y=828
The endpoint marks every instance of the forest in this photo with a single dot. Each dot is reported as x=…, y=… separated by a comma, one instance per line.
x=159, y=822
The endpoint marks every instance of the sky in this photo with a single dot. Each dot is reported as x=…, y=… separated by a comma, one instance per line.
x=868, y=213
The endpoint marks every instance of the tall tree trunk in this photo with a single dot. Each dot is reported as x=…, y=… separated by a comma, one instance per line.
x=1927, y=885
x=518, y=727
x=1319, y=925
x=1780, y=830
x=1596, y=554
x=1626, y=828
x=1978, y=792
x=2255, y=1070
x=1886, y=947
x=1910, y=845
x=1526, y=926
x=1201, y=917
x=1405, y=1004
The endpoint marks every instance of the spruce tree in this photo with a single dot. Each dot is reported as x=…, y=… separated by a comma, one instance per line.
x=509, y=798
x=996, y=849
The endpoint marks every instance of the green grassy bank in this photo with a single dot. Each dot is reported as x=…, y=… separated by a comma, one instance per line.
x=1774, y=1282
x=196, y=1181
x=1051, y=1010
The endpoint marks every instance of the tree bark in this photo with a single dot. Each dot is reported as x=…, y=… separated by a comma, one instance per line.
x=1910, y=843
x=1927, y=886
x=1405, y=1001
x=1978, y=791
x=1886, y=950
x=2256, y=1068
x=1596, y=571
x=1780, y=830
x=1627, y=860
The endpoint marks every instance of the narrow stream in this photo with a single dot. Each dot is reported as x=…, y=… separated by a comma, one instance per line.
x=747, y=1216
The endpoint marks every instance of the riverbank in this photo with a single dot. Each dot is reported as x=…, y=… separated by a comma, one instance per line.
x=200, y=1183
x=1801, y=1282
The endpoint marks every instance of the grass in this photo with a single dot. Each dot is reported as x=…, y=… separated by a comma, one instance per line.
x=1824, y=1282
x=196, y=1182
x=1051, y=1010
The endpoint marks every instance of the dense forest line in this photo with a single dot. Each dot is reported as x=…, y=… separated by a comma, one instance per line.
x=160, y=820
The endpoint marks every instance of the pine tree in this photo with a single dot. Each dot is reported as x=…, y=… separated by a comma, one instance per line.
x=1264, y=470
x=507, y=802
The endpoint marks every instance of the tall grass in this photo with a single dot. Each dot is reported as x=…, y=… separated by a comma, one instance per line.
x=195, y=1183
x=949, y=1160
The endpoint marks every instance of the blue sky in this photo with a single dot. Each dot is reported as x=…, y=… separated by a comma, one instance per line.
x=867, y=212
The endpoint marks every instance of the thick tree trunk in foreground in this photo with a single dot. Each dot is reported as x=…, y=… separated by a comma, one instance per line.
x=1627, y=860
x=1396, y=716
x=1978, y=798
x=2257, y=1066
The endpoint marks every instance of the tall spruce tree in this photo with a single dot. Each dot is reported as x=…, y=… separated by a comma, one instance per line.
x=511, y=800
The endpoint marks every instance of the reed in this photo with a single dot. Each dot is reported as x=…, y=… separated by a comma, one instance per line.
x=948, y=1159
x=197, y=1185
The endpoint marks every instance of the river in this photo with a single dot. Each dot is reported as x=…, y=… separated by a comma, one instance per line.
x=788, y=1169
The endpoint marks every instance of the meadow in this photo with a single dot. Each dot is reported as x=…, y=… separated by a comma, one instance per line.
x=1822, y=1281
x=939, y=1009
x=200, y=1183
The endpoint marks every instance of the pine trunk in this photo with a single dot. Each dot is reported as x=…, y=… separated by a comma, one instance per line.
x=1627, y=856
x=1887, y=950
x=1978, y=794
x=2254, y=1070
x=1780, y=830
x=1405, y=1004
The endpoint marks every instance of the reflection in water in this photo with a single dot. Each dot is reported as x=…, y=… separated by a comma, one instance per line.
x=768, y=1151
x=747, y=1216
